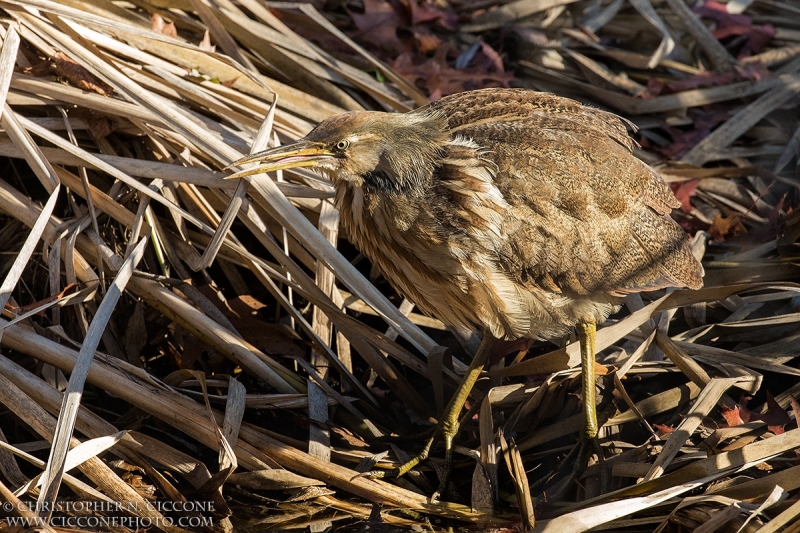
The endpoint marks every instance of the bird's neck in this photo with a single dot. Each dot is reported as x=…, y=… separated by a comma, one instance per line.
x=376, y=205
x=381, y=184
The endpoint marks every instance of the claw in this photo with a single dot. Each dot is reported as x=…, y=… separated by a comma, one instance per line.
x=449, y=423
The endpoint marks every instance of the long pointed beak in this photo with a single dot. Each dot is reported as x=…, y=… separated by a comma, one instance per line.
x=301, y=153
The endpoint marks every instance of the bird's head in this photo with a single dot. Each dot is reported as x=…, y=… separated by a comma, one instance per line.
x=399, y=151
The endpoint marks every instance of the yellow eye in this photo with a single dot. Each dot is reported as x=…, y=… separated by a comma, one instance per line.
x=342, y=145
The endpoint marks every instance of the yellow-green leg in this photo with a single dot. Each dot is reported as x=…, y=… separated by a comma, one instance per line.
x=587, y=335
x=449, y=423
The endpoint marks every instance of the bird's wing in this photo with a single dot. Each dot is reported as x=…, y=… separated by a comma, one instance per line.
x=584, y=215
x=487, y=106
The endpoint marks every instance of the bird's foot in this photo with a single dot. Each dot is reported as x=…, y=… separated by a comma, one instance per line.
x=405, y=467
x=449, y=423
x=447, y=432
x=419, y=458
x=576, y=462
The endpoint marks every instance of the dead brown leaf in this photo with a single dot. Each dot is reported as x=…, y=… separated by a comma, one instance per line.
x=683, y=192
x=78, y=76
x=663, y=429
x=734, y=416
x=378, y=25
x=421, y=12
x=733, y=25
x=206, y=45
x=724, y=226
x=158, y=24
x=440, y=79
x=775, y=417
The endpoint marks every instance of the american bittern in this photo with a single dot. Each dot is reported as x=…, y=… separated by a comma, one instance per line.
x=517, y=212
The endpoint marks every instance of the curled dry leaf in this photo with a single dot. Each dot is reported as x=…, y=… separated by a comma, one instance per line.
x=731, y=25
x=78, y=75
x=378, y=25
x=158, y=24
x=776, y=418
x=206, y=45
x=440, y=79
x=663, y=430
x=683, y=192
x=723, y=226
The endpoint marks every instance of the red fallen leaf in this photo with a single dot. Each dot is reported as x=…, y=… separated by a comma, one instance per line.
x=745, y=413
x=684, y=141
x=776, y=417
x=422, y=12
x=734, y=416
x=750, y=71
x=158, y=24
x=663, y=429
x=705, y=79
x=757, y=38
x=440, y=79
x=692, y=225
x=378, y=25
x=729, y=25
x=683, y=192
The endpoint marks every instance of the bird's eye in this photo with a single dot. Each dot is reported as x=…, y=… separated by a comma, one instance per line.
x=342, y=145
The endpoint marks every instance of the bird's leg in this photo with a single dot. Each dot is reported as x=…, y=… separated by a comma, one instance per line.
x=587, y=334
x=449, y=422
